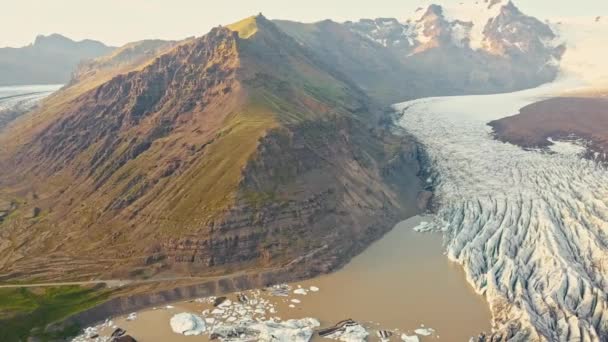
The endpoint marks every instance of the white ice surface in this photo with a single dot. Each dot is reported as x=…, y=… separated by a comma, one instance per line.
x=530, y=228
x=187, y=324
x=24, y=97
x=294, y=330
x=352, y=333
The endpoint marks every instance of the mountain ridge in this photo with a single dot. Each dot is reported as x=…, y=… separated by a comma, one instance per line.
x=207, y=153
x=435, y=54
x=27, y=65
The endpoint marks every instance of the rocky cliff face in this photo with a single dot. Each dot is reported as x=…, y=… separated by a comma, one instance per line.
x=514, y=34
x=303, y=180
x=239, y=150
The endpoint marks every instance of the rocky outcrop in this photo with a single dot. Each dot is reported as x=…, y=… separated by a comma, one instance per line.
x=304, y=179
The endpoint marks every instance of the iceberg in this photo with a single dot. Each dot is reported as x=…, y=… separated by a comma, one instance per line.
x=424, y=331
x=407, y=338
x=293, y=330
x=300, y=291
x=355, y=333
x=187, y=324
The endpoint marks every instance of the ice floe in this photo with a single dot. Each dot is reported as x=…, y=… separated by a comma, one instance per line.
x=424, y=331
x=281, y=290
x=409, y=338
x=384, y=335
x=187, y=324
x=346, y=330
x=354, y=333
x=294, y=330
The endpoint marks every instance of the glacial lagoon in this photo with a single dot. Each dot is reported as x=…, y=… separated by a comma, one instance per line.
x=401, y=283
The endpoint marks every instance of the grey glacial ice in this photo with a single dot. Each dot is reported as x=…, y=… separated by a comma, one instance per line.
x=24, y=97
x=529, y=227
x=17, y=100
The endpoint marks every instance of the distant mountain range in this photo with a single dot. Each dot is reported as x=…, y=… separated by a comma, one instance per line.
x=484, y=47
x=49, y=60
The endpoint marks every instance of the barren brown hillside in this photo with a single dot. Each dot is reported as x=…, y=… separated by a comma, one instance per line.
x=237, y=150
x=582, y=117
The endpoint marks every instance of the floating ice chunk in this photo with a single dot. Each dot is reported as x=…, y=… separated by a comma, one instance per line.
x=289, y=331
x=169, y=307
x=210, y=320
x=225, y=304
x=281, y=290
x=132, y=316
x=297, y=301
x=292, y=306
x=350, y=333
x=231, y=319
x=412, y=338
x=300, y=291
x=424, y=331
x=187, y=324
x=384, y=335
x=423, y=227
x=314, y=289
x=217, y=312
x=300, y=330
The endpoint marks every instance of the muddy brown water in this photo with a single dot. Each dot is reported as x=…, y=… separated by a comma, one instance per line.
x=399, y=283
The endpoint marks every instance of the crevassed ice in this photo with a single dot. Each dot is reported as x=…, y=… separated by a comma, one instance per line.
x=529, y=228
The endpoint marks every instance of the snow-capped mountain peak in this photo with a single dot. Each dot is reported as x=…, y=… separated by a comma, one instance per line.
x=495, y=26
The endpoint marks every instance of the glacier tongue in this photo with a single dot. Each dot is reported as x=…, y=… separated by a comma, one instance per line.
x=529, y=228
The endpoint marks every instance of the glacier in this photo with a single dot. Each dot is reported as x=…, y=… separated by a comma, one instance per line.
x=530, y=228
x=24, y=97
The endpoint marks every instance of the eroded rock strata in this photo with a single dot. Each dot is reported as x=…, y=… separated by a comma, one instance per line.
x=235, y=151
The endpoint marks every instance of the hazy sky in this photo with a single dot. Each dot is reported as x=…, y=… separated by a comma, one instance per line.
x=116, y=22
